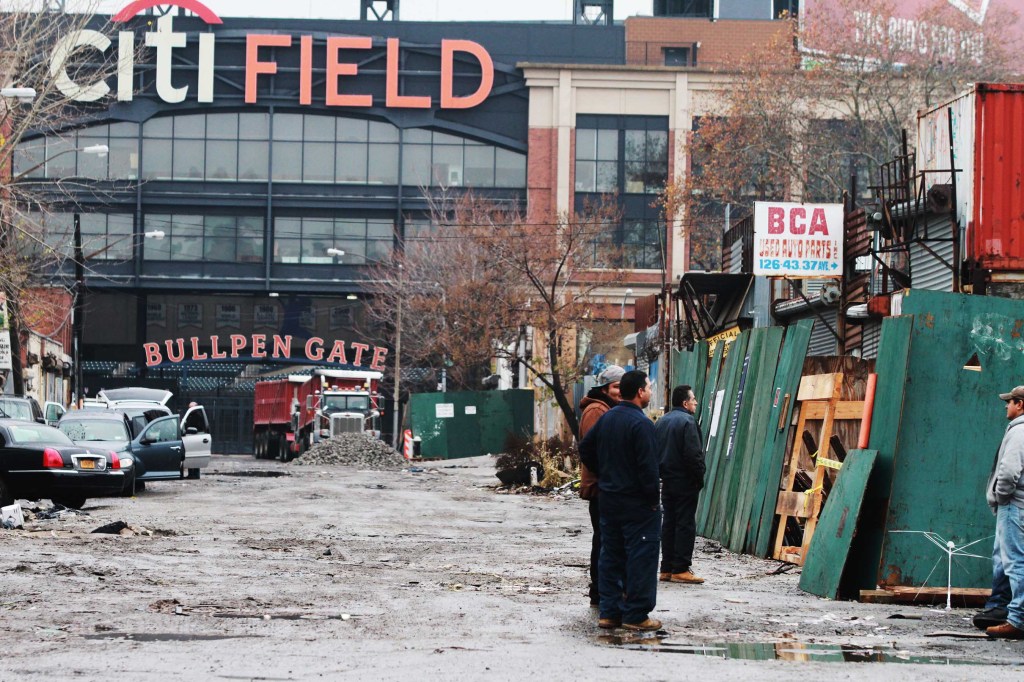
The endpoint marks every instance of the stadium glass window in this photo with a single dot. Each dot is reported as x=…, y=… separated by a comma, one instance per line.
x=306, y=240
x=210, y=238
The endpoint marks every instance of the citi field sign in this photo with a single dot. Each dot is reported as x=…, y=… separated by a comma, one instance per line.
x=342, y=62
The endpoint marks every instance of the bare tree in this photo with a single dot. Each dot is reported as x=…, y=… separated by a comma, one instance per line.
x=798, y=123
x=472, y=284
x=39, y=89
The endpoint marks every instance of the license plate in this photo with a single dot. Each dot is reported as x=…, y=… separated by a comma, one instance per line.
x=87, y=463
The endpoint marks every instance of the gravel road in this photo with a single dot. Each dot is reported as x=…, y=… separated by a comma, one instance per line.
x=271, y=571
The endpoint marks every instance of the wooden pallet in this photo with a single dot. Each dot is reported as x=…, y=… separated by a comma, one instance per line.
x=817, y=400
x=961, y=596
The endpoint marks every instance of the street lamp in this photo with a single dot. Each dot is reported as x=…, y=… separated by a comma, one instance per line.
x=337, y=253
x=622, y=308
x=23, y=95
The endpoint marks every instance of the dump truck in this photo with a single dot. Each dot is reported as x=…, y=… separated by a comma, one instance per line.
x=292, y=413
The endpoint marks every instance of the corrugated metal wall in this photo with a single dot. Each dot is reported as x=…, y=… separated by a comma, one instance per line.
x=823, y=342
x=927, y=271
x=871, y=335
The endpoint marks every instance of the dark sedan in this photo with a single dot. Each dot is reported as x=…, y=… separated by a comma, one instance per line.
x=38, y=461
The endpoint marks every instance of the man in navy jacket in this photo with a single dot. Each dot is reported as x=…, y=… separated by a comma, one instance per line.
x=681, y=450
x=622, y=451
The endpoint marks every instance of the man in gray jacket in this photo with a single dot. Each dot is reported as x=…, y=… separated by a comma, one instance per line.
x=1005, y=495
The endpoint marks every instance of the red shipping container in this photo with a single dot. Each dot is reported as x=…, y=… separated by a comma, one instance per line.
x=988, y=146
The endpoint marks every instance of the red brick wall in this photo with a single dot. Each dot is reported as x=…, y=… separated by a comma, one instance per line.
x=542, y=173
x=47, y=312
x=721, y=42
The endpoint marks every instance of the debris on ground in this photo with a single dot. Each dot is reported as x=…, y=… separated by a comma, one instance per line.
x=11, y=517
x=353, y=449
x=57, y=511
x=122, y=528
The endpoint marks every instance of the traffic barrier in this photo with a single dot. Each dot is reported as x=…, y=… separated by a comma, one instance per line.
x=407, y=444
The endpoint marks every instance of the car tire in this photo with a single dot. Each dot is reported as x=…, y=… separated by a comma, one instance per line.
x=129, y=488
x=139, y=486
x=193, y=474
x=6, y=498
x=71, y=502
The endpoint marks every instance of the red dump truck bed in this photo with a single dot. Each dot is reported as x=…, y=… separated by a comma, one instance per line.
x=275, y=400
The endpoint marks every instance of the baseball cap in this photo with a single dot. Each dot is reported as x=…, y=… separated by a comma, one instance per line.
x=1017, y=393
x=613, y=373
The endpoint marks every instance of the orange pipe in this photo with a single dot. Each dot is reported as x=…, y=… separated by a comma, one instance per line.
x=869, y=406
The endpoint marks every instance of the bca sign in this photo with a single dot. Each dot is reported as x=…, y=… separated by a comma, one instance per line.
x=798, y=240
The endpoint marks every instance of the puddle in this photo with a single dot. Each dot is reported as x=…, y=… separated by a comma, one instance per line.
x=782, y=651
x=164, y=636
x=253, y=473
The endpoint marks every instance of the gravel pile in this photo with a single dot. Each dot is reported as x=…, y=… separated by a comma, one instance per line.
x=353, y=449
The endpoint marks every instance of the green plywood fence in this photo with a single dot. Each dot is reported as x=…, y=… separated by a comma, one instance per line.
x=952, y=423
x=773, y=450
x=826, y=557
x=478, y=424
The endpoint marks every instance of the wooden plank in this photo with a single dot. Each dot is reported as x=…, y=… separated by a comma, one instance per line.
x=790, y=468
x=793, y=504
x=820, y=472
x=845, y=409
x=787, y=382
x=816, y=387
x=825, y=559
x=961, y=596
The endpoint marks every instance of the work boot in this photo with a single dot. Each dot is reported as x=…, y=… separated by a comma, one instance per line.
x=686, y=577
x=609, y=623
x=1004, y=631
x=665, y=577
x=989, y=617
x=648, y=625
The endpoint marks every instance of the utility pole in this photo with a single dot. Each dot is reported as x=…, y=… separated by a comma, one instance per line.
x=395, y=436
x=78, y=311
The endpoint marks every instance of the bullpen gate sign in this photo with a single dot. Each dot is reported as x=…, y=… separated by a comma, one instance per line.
x=798, y=240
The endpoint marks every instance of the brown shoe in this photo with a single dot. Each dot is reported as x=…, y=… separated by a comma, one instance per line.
x=609, y=623
x=1004, y=631
x=686, y=577
x=665, y=577
x=648, y=625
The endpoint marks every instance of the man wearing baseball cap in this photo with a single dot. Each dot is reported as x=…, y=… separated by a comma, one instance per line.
x=1005, y=494
x=603, y=397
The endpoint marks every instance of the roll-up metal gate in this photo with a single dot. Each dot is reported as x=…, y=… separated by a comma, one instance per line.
x=823, y=341
x=927, y=271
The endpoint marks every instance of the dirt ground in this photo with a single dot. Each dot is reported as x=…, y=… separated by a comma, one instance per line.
x=335, y=573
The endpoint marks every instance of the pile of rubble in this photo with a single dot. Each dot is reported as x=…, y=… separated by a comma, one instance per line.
x=353, y=449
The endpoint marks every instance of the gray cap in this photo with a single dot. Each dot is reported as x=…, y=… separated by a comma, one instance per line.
x=1016, y=394
x=609, y=375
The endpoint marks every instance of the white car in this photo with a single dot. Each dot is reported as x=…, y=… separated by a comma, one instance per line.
x=145, y=404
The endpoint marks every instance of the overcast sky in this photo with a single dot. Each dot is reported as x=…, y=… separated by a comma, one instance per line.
x=411, y=10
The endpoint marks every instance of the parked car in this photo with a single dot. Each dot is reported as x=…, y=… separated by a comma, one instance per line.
x=158, y=451
x=107, y=430
x=143, y=405
x=27, y=408
x=38, y=461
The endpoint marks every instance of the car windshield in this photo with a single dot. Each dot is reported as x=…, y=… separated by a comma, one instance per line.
x=37, y=433
x=95, y=430
x=15, y=409
x=355, y=403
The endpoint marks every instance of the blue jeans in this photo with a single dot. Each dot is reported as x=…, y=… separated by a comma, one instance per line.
x=1001, y=592
x=1010, y=536
x=628, y=568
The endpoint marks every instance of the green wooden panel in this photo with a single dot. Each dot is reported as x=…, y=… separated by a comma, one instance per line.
x=753, y=438
x=718, y=437
x=731, y=458
x=891, y=368
x=479, y=425
x=689, y=367
x=787, y=381
x=705, y=399
x=826, y=557
x=953, y=421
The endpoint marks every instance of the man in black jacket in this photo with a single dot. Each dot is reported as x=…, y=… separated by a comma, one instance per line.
x=622, y=451
x=682, y=476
